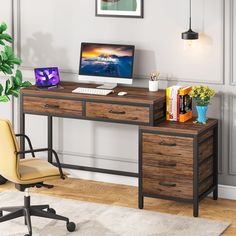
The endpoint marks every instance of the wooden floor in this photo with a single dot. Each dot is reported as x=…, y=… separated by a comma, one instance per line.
x=122, y=195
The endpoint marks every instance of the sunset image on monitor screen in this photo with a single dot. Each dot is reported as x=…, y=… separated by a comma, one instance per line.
x=107, y=60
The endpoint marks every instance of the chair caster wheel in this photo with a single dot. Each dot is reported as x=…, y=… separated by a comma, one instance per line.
x=71, y=226
x=1, y=214
x=51, y=210
x=2, y=180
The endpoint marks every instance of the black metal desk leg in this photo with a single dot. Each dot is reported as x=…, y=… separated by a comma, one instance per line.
x=140, y=200
x=22, y=127
x=215, y=163
x=140, y=194
x=215, y=194
x=195, y=178
x=140, y=188
x=50, y=140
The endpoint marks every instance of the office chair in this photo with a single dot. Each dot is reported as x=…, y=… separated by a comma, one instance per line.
x=27, y=173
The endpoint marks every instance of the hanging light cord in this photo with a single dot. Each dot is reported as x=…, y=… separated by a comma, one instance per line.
x=190, y=14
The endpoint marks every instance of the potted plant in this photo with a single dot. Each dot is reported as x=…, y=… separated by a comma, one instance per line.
x=202, y=96
x=7, y=62
x=153, y=82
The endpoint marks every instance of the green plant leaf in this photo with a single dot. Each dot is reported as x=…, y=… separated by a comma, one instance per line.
x=7, y=87
x=8, y=51
x=19, y=75
x=4, y=98
x=6, y=69
x=3, y=27
x=1, y=89
x=14, y=93
x=16, y=60
x=16, y=82
x=6, y=37
x=4, y=56
x=26, y=84
x=2, y=43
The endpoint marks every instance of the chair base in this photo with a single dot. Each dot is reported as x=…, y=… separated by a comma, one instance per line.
x=27, y=211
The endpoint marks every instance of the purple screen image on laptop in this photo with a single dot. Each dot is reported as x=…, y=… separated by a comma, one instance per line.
x=46, y=77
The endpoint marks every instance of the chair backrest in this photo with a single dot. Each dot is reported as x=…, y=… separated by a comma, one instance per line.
x=8, y=149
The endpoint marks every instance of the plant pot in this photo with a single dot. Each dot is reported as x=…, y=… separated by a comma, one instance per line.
x=153, y=86
x=201, y=111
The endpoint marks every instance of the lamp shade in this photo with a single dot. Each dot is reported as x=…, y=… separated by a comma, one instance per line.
x=190, y=35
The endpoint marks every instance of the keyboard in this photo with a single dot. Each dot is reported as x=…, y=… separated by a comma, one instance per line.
x=93, y=91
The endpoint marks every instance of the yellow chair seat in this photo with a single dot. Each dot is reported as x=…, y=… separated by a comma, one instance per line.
x=33, y=170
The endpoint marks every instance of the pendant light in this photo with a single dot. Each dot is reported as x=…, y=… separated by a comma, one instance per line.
x=190, y=34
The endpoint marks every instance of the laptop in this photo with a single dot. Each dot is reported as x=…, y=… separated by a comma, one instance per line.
x=47, y=77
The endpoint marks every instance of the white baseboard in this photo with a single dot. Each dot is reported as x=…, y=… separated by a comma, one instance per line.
x=107, y=178
x=227, y=192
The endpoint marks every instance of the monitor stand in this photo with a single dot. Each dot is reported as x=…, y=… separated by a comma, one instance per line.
x=107, y=86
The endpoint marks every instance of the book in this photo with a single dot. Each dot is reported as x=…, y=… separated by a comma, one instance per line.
x=178, y=103
x=172, y=103
x=185, y=112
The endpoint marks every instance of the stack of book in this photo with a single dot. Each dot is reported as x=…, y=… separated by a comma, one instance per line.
x=178, y=104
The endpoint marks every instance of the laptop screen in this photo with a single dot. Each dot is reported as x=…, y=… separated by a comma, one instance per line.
x=46, y=77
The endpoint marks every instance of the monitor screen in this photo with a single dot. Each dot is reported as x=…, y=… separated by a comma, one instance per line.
x=107, y=60
x=46, y=77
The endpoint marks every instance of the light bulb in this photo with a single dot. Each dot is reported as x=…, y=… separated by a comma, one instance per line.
x=189, y=44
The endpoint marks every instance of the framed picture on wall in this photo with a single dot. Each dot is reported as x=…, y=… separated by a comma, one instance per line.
x=120, y=8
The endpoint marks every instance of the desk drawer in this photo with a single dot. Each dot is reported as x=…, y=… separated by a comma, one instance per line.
x=135, y=114
x=154, y=166
x=53, y=106
x=167, y=186
x=171, y=146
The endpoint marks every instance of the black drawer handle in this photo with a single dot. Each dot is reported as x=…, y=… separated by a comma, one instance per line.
x=48, y=106
x=117, y=112
x=167, y=184
x=163, y=164
x=163, y=143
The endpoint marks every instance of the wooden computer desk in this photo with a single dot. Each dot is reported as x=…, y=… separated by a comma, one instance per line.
x=176, y=161
x=138, y=107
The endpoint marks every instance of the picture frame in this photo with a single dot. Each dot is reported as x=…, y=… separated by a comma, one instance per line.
x=120, y=8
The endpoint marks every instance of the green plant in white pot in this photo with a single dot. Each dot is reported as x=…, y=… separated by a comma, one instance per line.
x=202, y=96
x=8, y=60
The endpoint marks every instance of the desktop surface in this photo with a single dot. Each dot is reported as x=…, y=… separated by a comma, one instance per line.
x=134, y=94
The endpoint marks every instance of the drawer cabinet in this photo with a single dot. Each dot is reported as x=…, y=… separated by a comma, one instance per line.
x=178, y=164
x=44, y=106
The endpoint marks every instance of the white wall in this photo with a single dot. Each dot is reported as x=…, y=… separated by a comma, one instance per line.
x=49, y=32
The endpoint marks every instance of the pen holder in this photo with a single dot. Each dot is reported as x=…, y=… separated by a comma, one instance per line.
x=153, y=85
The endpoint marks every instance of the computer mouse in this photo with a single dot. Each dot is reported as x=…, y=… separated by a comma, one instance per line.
x=122, y=93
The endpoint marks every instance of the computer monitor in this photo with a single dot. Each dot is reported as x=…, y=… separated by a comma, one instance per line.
x=106, y=63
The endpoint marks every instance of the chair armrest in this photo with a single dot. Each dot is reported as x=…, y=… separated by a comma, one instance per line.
x=44, y=150
x=29, y=142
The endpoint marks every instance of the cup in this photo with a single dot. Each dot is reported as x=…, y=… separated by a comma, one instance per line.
x=153, y=85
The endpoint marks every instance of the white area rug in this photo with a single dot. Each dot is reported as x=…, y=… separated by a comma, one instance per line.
x=105, y=220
